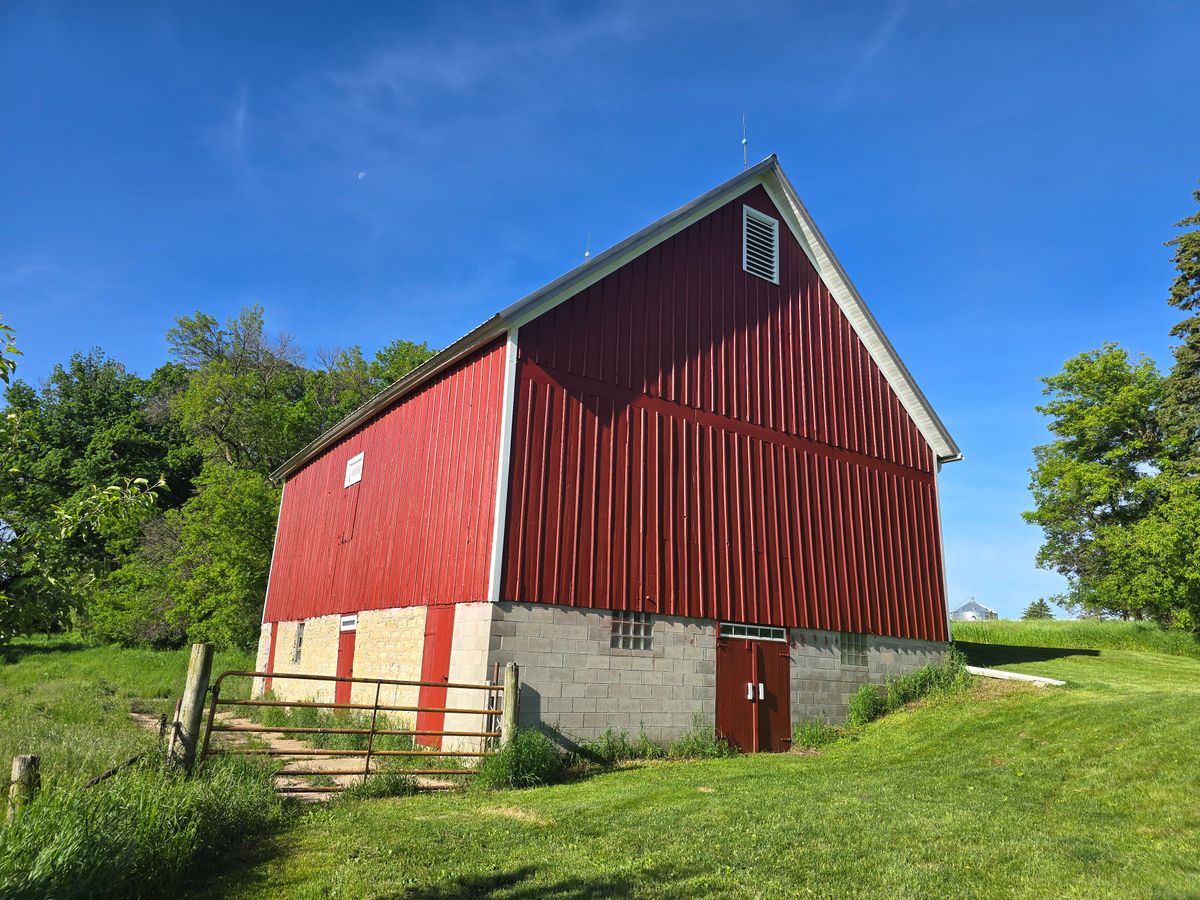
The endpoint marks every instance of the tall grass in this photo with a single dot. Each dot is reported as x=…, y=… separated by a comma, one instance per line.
x=136, y=834
x=1091, y=634
x=871, y=701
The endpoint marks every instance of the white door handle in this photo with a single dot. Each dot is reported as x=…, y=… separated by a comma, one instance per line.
x=750, y=690
x=760, y=690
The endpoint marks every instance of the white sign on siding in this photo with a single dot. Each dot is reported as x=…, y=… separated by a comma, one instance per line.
x=353, y=470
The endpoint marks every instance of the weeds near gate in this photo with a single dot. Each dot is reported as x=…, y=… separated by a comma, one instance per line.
x=384, y=784
x=136, y=834
x=937, y=679
x=615, y=746
x=529, y=759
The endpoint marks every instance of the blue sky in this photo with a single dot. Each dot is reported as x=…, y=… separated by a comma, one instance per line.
x=998, y=179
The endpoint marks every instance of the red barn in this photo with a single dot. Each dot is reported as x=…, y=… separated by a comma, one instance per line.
x=689, y=481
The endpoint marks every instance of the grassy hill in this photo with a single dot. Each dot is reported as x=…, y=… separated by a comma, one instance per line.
x=1080, y=633
x=1089, y=790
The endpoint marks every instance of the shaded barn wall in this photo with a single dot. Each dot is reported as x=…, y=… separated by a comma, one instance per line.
x=417, y=529
x=692, y=440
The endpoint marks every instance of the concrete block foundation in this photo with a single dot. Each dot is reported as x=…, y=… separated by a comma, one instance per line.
x=574, y=683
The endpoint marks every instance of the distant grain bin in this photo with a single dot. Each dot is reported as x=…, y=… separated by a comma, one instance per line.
x=690, y=480
x=973, y=612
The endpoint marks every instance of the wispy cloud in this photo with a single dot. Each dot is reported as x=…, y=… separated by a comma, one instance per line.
x=230, y=139
x=875, y=45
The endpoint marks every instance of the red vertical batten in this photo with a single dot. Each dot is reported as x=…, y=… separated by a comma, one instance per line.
x=417, y=529
x=435, y=666
x=345, y=666
x=693, y=440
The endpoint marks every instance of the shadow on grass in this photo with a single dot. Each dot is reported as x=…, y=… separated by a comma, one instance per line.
x=1002, y=654
x=513, y=884
x=11, y=653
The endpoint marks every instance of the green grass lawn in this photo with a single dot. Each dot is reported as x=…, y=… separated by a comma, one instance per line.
x=1089, y=633
x=1092, y=790
x=70, y=703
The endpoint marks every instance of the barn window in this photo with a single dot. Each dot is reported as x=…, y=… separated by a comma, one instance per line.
x=760, y=244
x=632, y=631
x=854, y=649
x=353, y=470
x=298, y=645
x=758, y=632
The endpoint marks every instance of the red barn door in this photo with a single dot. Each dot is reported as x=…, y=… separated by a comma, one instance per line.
x=435, y=666
x=753, y=694
x=345, y=659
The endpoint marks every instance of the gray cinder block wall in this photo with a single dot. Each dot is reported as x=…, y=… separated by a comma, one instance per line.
x=576, y=685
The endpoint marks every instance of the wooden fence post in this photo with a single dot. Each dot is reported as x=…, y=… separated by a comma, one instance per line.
x=25, y=782
x=191, y=708
x=512, y=702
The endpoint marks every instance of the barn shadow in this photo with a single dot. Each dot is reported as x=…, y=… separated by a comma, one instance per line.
x=988, y=655
x=531, y=716
x=514, y=883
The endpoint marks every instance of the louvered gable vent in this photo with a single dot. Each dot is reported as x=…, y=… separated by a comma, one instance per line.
x=760, y=244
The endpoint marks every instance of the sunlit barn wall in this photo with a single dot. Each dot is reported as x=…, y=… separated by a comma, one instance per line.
x=417, y=528
x=693, y=440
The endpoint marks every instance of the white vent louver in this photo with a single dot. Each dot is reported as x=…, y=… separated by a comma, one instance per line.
x=760, y=245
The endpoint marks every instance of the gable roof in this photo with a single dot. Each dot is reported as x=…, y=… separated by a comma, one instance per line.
x=770, y=175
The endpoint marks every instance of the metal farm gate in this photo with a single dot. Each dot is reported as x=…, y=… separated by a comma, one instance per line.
x=495, y=710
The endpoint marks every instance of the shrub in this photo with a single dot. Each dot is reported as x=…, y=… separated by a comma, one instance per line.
x=813, y=733
x=529, y=759
x=135, y=834
x=865, y=706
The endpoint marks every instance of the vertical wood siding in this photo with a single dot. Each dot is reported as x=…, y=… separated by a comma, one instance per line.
x=693, y=440
x=417, y=528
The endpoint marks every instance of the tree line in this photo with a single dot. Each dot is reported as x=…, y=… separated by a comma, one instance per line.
x=141, y=510
x=1117, y=490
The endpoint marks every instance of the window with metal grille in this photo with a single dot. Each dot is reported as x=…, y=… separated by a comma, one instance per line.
x=298, y=645
x=632, y=631
x=854, y=649
x=760, y=244
x=758, y=632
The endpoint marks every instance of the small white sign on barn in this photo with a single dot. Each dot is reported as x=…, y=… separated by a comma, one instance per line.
x=353, y=470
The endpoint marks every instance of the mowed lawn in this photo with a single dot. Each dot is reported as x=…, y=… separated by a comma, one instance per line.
x=1092, y=790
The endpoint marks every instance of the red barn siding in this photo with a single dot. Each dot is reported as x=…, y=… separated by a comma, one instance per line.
x=692, y=440
x=417, y=529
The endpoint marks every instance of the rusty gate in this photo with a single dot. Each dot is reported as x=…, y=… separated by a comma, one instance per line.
x=496, y=718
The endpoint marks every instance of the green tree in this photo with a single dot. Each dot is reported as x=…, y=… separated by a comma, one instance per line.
x=1180, y=413
x=1038, y=609
x=1095, y=475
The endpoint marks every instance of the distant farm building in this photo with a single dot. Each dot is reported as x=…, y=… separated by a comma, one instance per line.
x=690, y=480
x=973, y=612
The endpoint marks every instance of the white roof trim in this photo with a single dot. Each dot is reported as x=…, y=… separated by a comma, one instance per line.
x=767, y=173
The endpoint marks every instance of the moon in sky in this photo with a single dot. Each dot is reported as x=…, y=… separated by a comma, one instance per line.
x=362, y=175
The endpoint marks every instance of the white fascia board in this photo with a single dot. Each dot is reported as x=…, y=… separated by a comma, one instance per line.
x=503, y=466
x=274, y=544
x=865, y=325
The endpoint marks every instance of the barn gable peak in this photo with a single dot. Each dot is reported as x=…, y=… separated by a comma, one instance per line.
x=770, y=175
